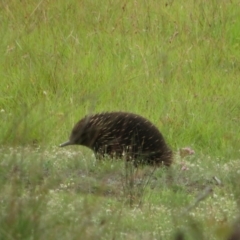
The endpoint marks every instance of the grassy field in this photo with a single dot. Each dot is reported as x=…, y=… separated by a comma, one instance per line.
x=176, y=63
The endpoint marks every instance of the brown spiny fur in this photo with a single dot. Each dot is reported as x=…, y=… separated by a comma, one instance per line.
x=122, y=134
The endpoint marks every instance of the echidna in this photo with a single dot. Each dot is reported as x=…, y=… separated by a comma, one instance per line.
x=121, y=134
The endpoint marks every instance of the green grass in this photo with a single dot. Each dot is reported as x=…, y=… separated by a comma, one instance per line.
x=59, y=194
x=174, y=62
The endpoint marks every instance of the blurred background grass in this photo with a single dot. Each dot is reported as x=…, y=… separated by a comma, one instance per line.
x=176, y=63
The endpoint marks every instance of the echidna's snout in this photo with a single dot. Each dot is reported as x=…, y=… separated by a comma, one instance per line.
x=65, y=144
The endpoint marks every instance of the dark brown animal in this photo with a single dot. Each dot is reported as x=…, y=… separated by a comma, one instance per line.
x=235, y=235
x=122, y=134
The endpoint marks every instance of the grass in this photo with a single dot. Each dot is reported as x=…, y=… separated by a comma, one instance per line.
x=57, y=194
x=174, y=62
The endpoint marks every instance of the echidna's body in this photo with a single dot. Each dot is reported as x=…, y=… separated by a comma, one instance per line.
x=122, y=134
